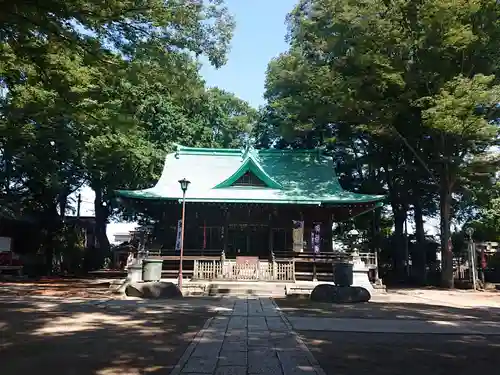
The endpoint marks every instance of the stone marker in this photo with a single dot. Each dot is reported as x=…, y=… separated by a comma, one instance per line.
x=339, y=294
x=155, y=290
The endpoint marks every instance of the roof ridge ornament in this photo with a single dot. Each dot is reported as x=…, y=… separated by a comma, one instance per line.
x=247, y=148
x=178, y=148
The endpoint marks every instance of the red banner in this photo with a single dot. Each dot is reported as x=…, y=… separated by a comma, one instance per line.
x=450, y=245
x=204, y=235
x=484, y=263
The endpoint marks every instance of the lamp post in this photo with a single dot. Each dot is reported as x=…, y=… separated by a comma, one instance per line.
x=472, y=256
x=184, y=186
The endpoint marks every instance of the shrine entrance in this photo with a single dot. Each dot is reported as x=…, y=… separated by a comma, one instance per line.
x=248, y=240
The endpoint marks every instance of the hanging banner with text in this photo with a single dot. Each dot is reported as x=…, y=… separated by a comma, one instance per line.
x=178, y=238
x=316, y=237
x=298, y=236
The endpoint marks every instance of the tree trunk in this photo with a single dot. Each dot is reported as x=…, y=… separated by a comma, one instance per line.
x=51, y=220
x=399, y=241
x=63, y=203
x=420, y=238
x=8, y=169
x=446, y=251
x=101, y=218
x=376, y=239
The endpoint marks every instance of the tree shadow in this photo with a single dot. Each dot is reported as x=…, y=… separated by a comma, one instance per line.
x=394, y=354
x=52, y=335
x=378, y=353
x=386, y=310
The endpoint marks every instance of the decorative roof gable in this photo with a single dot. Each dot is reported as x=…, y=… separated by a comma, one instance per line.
x=249, y=179
x=252, y=166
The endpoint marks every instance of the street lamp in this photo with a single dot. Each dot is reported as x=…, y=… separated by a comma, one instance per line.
x=472, y=256
x=184, y=186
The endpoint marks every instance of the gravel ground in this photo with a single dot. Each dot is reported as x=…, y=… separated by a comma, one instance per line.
x=51, y=336
x=396, y=354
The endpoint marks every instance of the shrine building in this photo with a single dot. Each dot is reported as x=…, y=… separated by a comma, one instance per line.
x=274, y=208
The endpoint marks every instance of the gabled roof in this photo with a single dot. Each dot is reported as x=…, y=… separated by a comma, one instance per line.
x=250, y=164
x=290, y=176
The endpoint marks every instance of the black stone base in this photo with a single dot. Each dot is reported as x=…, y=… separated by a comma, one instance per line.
x=339, y=294
x=153, y=290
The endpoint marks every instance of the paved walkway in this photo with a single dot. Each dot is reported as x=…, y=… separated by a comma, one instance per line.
x=248, y=338
x=408, y=326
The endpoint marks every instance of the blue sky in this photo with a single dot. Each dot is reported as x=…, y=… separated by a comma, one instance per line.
x=259, y=36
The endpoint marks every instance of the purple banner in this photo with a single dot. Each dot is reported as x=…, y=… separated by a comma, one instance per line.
x=316, y=237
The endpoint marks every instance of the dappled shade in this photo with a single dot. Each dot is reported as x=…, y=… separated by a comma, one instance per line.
x=72, y=336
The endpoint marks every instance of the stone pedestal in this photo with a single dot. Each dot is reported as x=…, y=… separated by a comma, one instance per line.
x=134, y=273
x=360, y=273
x=154, y=290
x=340, y=294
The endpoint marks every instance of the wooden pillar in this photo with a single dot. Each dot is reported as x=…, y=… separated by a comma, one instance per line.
x=304, y=238
x=225, y=231
x=377, y=212
x=329, y=241
x=271, y=236
x=248, y=233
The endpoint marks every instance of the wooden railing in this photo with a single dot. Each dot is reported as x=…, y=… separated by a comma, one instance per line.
x=280, y=270
x=370, y=259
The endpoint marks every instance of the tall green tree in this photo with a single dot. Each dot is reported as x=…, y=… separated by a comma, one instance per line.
x=394, y=73
x=69, y=74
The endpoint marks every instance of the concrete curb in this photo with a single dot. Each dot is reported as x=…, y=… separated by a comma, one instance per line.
x=300, y=342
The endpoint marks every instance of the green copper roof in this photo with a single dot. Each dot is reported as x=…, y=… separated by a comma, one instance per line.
x=290, y=176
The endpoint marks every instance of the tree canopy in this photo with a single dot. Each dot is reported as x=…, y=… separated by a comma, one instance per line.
x=406, y=89
x=96, y=92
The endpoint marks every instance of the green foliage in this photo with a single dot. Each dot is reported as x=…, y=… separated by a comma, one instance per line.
x=402, y=92
x=95, y=92
x=87, y=26
x=486, y=221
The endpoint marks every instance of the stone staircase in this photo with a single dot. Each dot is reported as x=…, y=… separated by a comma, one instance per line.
x=261, y=289
x=215, y=288
x=242, y=288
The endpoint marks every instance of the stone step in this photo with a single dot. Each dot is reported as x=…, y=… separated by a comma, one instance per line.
x=235, y=289
x=242, y=289
x=254, y=288
x=245, y=288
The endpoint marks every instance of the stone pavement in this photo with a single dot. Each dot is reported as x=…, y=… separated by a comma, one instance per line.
x=453, y=298
x=248, y=338
x=409, y=326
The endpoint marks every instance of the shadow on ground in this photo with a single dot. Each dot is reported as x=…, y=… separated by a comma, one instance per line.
x=57, y=336
x=346, y=353
x=385, y=310
x=395, y=354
